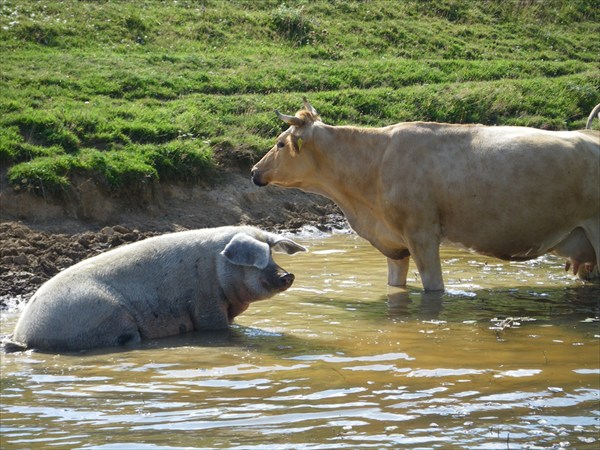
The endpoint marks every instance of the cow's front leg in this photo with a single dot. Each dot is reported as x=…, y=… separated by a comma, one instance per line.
x=398, y=271
x=425, y=250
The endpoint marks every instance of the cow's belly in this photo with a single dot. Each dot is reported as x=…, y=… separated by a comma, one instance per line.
x=521, y=240
x=511, y=221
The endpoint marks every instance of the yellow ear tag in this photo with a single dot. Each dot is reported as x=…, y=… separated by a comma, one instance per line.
x=299, y=143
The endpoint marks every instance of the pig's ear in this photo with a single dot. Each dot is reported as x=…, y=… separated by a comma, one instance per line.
x=244, y=250
x=283, y=245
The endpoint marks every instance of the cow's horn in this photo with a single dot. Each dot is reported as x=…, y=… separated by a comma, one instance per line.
x=309, y=107
x=290, y=120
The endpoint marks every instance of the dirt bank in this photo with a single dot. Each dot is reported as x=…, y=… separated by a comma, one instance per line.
x=41, y=237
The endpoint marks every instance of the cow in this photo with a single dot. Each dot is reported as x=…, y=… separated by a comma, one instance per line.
x=595, y=113
x=510, y=192
x=162, y=286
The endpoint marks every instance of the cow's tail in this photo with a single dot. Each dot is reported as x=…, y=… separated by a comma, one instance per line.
x=595, y=112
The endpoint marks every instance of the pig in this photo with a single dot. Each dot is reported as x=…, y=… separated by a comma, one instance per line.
x=162, y=286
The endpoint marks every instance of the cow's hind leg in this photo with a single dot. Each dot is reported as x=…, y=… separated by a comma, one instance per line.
x=398, y=271
x=592, y=231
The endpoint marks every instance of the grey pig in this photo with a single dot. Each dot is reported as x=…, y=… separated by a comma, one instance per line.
x=158, y=287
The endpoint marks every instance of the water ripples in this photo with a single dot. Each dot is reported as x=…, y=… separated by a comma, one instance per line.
x=287, y=401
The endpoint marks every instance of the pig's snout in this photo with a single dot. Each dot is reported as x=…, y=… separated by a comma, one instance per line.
x=285, y=280
x=277, y=280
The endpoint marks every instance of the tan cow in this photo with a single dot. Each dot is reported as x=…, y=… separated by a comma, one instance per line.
x=514, y=193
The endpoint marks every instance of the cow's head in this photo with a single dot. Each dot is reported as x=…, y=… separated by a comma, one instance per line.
x=290, y=160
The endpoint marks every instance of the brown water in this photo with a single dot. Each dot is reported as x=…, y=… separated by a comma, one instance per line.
x=508, y=358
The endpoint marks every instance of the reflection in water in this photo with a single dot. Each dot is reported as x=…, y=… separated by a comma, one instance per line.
x=508, y=357
x=400, y=303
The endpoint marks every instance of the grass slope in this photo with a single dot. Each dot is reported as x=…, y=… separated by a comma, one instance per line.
x=129, y=92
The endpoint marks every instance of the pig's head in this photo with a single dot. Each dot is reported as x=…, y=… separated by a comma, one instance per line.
x=249, y=273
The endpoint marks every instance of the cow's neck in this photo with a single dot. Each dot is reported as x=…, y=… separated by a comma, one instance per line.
x=348, y=157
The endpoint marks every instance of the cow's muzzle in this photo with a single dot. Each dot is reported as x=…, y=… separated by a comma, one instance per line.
x=257, y=178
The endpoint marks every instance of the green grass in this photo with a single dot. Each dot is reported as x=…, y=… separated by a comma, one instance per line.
x=134, y=92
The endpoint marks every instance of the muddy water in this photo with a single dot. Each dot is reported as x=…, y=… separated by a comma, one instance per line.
x=509, y=357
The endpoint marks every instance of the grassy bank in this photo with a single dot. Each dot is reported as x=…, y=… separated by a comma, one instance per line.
x=133, y=92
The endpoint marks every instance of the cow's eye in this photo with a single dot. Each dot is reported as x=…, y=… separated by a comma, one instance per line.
x=280, y=144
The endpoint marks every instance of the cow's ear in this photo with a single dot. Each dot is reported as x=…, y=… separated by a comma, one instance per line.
x=284, y=245
x=244, y=250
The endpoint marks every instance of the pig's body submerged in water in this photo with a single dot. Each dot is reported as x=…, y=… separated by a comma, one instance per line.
x=162, y=286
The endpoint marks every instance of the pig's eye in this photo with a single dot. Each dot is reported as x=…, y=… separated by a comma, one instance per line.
x=280, y=144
